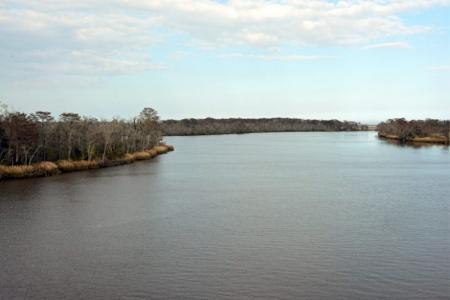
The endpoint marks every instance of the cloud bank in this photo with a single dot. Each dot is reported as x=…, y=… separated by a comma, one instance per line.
x=115, y=36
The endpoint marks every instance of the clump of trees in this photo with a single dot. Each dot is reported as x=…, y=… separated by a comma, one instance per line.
x=31, y=138
x=405, y=130
x=238, y=125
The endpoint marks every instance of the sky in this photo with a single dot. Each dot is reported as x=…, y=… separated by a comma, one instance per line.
x=351, y=60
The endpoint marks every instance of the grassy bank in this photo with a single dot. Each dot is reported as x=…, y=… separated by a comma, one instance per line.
x=435, y=139
x=47, y=168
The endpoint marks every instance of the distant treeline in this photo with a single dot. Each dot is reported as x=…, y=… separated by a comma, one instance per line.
x=238, y=125
x=37, y=137
x=429, y=130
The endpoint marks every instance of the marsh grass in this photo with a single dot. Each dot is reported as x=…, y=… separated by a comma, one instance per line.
x=152, y=152
x=433, y=139
x=161, y=149
x=47, y=168
x=142, y=155
x=129, y=158
x=77, y=165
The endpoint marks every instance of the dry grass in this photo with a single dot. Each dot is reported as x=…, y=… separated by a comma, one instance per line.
x=436, y=139
x=77, y=165
x=388, y=136
x=16, y=171
x=49, y=168
x=161, y=149
x=152, y=152
x=36, y=170
x=142, y=155
x=129, y=158
x=46, y=168
x=431, y=139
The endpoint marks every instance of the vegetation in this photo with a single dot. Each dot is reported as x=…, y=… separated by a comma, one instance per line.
x=38, y=144
x=426, y=131
x=34, y=170
x=235, y=126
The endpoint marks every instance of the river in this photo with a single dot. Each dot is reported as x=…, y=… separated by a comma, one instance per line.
x=277, y=215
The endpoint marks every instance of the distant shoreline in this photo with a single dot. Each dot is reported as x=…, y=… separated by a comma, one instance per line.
x=47, y=168
x=262, y=132
x=211, y=126
x=442, y=140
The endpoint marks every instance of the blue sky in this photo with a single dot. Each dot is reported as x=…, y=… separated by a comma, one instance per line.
x=355, y=60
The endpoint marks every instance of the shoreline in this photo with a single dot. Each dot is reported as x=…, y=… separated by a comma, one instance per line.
x=440, y=140
x=213, y=126
x=263, y=132
x=47, y=168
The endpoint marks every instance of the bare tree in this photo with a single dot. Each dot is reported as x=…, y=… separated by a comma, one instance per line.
x=37, y=137
x=238, y=125
x=43, y=119
x=69, y=122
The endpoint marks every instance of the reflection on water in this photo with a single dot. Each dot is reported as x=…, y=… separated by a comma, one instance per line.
x=286, y=215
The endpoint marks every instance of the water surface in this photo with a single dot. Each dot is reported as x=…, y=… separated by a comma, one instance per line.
x=284, y=215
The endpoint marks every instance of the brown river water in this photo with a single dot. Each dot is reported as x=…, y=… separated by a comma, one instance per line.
x=268, y=216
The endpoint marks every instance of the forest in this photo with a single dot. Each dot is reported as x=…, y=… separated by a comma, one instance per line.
x=28, y=138
x=39, y=143
x=429, y=130
x=237, y=126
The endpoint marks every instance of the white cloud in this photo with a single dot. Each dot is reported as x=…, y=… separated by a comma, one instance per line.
x=277, y=57
x=116, y=30
x=71, y=39
x=83, y=62
x=293, y=57
x=395, y=45
x=302, y=22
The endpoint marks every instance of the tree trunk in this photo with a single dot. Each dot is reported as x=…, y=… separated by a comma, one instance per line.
x=33, y=155
x=69, y=146
x=104, y=152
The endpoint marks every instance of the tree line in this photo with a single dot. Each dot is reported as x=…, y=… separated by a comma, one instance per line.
x=36, y=137
x=406, y=130
x=239, y=125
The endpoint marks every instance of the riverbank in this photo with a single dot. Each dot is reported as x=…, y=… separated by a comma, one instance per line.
x=47, y=168
x=437, y=139
x=211, y=126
